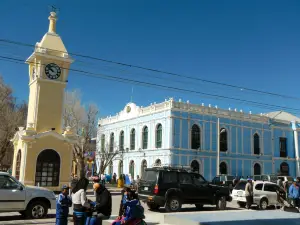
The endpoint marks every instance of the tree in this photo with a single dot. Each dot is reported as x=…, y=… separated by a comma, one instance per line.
x=12, y=115
x=106, y=157
x=83, y=122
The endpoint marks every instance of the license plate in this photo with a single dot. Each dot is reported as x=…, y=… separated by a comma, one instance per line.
x=146, y=188
x=240, y=193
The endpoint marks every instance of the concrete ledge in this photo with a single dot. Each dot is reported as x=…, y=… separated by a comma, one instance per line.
x=270, y=217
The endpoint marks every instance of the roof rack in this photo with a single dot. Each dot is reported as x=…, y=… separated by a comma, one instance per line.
x=170, y=167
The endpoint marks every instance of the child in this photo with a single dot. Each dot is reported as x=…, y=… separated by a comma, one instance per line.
x=133, y=212
x=62, y=206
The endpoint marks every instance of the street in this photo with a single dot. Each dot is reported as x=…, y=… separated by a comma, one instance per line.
x=151, y=217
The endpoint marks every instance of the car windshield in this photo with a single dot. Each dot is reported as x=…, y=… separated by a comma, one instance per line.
x=230, y=177
x=149, y=175
x=240, y=185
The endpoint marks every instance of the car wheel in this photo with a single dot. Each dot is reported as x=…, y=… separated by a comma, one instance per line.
x=263, y=204
x=242, y=204
x=199, y=206
x=221, y=203
x=153, y=206
x=173, y=204
x=36, y=210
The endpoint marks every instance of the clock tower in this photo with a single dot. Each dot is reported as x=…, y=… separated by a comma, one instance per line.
x=43, y=150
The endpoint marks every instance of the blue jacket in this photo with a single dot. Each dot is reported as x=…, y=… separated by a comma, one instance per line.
x=129, y=206
x=294, y=191
x=62, y=206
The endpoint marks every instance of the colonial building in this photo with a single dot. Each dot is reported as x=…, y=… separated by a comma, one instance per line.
x=43, y=150
x=183, y=134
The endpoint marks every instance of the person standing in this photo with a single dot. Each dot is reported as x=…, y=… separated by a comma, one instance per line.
x=103, y=203
x=80, y=201
x=114, y=178
x=294, y=193
x=103, y=179
x=249, y=193
x=62, y=206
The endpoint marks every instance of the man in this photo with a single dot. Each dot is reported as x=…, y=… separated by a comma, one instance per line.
x=249, y=193
x=294, y=193
x=103, y=202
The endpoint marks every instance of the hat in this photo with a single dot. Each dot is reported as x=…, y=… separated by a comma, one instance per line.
x=248, y=179
x=65, y=187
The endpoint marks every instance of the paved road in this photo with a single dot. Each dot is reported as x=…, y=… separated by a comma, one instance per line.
x=151, y=217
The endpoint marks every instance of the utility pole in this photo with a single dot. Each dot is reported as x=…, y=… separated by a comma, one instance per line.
x=218, y=148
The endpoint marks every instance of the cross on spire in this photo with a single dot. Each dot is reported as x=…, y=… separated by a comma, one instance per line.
x=53, y=8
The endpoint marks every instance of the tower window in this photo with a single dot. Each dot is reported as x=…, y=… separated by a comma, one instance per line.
x=195, y=137
x=158, y=136
x=145, y=137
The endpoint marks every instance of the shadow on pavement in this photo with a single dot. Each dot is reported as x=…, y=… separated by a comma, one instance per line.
x=294, y=221
x=17, y=217
x=194, y=209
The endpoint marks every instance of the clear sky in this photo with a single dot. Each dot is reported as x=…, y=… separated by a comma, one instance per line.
x=254, y=43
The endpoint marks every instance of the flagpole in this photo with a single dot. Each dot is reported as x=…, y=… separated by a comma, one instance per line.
x=218, y=148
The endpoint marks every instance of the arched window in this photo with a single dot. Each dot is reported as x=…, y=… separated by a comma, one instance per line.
x=131, y=168
x=257, y=169
x=110, y=168
x=18, y=165
x=195, y=166
x=256, y=144
x=145, y=138
x=158, y=162
x=121, y=140
x=111, y=142
x=223, y=168
x=144, y=167
x=284, y=169
x=132, y=139
x=120, y=170
x=47, y=169
x=158, y=136
x=223, y=140
x=102, y=143
x=195, y=137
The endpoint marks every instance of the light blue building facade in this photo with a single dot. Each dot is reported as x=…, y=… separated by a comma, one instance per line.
x=179, y=133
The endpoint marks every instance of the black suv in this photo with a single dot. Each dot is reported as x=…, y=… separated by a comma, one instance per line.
x=171, y=188
x=223, y=180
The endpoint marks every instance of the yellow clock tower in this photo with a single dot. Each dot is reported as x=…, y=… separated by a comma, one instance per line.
x=43, y=150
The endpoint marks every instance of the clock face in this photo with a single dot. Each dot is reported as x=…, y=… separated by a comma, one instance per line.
x=52, y=71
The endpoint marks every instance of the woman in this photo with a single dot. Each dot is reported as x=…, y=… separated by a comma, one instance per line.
x=80, y=201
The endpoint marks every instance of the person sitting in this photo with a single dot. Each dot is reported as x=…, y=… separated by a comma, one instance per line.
x=103, y=202
x=133, y=212
x=80, y=202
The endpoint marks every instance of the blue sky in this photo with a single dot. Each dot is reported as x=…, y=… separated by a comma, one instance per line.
x=247, y=43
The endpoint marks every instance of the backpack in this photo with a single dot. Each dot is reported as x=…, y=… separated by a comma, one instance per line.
x=138, y=212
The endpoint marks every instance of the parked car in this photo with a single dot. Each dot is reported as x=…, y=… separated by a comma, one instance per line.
x=171, y=187
x=265, y=194
x=289, y=179
x=223, y=180
x=264, y=177
x=30, y=201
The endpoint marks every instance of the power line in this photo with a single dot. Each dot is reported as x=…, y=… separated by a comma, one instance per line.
x=142, y=83
x=158, y=71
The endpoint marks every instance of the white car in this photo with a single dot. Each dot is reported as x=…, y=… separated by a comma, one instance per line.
x=29, y=201
x=264, y=194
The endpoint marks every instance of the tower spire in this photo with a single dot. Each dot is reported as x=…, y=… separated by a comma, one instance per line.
x=52, y=18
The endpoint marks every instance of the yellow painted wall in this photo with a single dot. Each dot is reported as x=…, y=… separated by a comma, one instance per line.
x=62, y=148
x=50, y=106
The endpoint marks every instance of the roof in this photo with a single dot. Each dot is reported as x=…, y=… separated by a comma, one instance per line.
x=281, y=115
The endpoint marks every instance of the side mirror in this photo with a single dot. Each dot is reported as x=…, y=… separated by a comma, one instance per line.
x=20, y=188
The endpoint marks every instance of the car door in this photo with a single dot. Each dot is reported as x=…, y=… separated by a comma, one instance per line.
x=12, y=197
x=270, y=192
x=187, y=187
x=204, y=192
